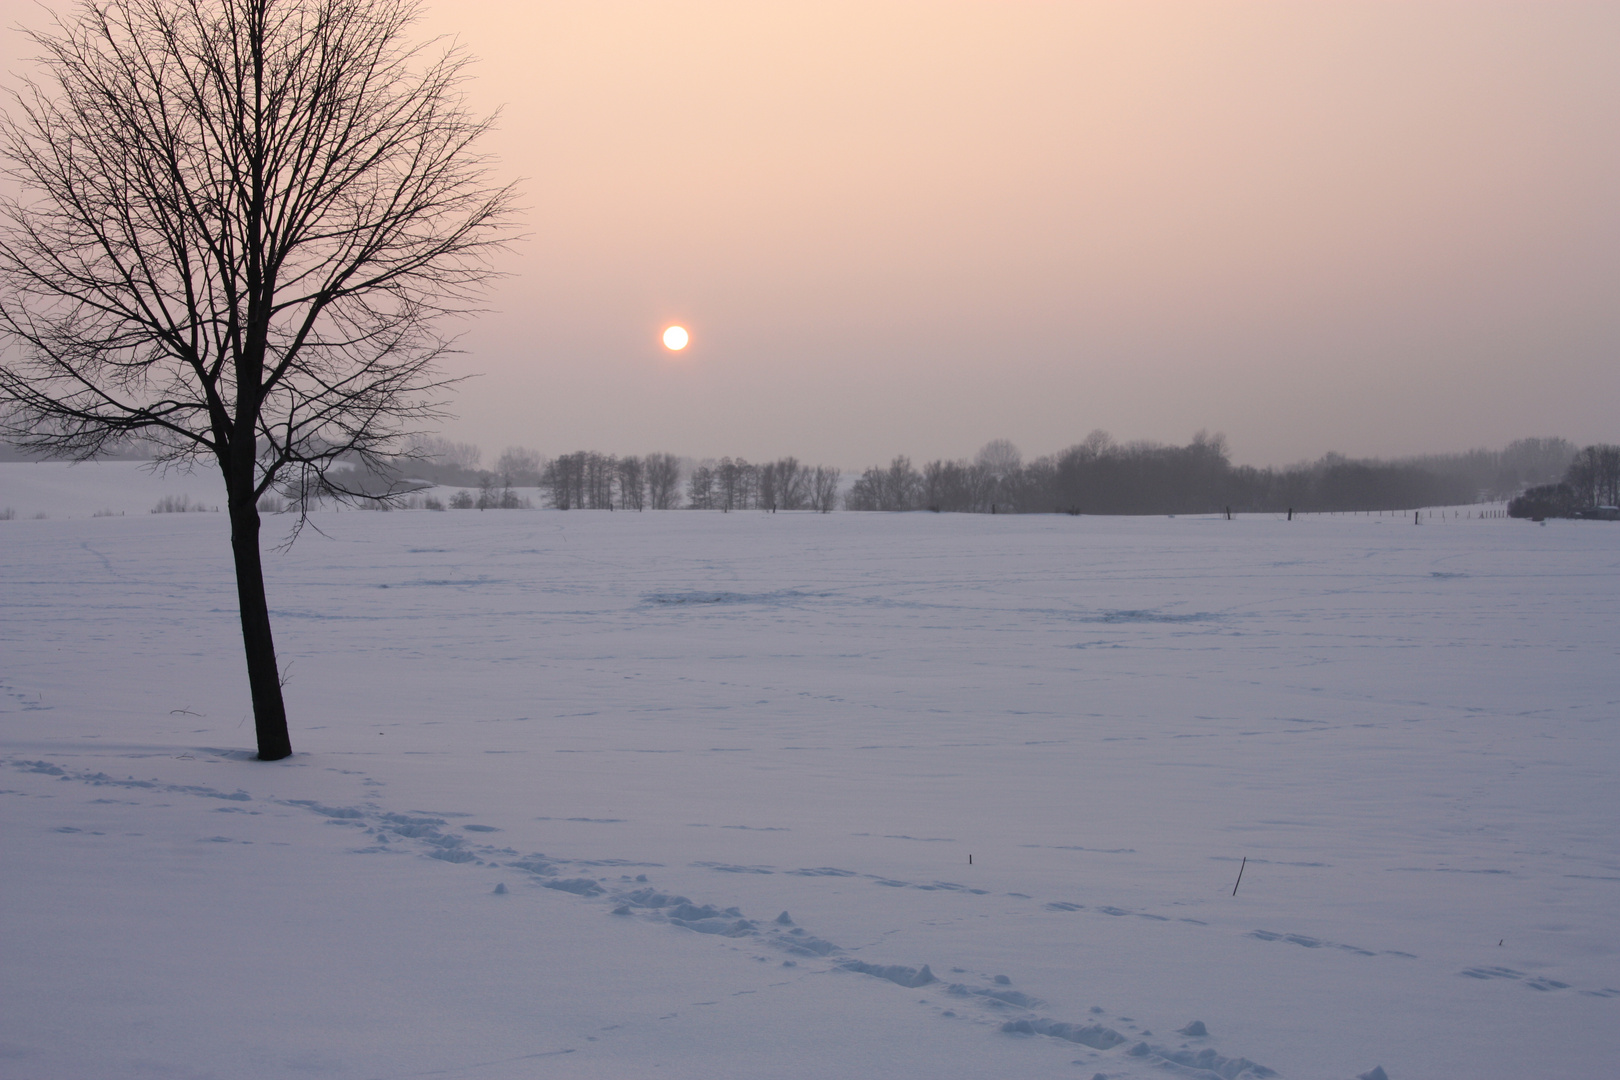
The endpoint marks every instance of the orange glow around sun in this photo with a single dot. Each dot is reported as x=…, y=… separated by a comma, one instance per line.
x=675, y=338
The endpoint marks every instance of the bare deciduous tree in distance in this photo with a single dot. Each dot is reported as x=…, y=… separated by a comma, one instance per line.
x=824, y=489
x=239, y=220
x=792, y=484
x=518, y=466
x=632, y=483
x=663, y=480
x=700, y=487
x=1594, y=475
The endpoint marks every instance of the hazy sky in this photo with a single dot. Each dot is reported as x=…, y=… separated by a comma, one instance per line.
x=1377, y=228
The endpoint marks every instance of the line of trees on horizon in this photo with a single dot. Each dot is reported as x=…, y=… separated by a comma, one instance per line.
x=586, y=480
x=1095, y=476
x=1098, y=475
x=1101, y=476
x=1590, y=488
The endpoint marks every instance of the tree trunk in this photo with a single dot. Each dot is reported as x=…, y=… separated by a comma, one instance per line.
x=269, y=714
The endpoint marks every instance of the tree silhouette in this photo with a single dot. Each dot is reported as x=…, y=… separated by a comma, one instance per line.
x=239, y=221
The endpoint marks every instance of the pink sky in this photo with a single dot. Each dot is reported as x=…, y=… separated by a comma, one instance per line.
x=1377, y=228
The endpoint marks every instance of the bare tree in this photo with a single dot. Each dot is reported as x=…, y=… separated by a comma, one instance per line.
x=1595, y=475
x=239, y=221
x=765, y=492
x=999, y=461
x=792, y=484
x=824, y=489
x=901, y=485
x=896, y=488
x=632, y=483
x=663, y=480
x=957, y=487
x=600, y=470
x=700, y=488
x=734, y=484
x=866, y=493
x=564, y=476
x=1000, y=458
x=518, y=466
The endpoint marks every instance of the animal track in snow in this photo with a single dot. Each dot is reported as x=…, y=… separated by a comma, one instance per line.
x=1534, y=982
x=432, y=835
x=1306, y=941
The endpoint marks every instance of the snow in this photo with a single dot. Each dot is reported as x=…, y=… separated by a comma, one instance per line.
x=689, y=794
x=60, y=489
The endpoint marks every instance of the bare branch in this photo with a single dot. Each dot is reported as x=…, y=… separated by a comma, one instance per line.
x=241, y=219
x=239, y=222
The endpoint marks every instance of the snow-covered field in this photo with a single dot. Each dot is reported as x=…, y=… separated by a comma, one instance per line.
x=695, y=795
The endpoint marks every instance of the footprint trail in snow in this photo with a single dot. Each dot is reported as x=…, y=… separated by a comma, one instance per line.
x=990, y=1000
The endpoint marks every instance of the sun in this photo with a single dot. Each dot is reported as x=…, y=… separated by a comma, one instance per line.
x=675, y=338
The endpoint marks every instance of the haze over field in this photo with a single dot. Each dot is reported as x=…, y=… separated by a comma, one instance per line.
x=1380, y=229
x=780, y=795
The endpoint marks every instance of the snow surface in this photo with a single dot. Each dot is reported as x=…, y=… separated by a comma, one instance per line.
x=693, y=795
x=61, y=489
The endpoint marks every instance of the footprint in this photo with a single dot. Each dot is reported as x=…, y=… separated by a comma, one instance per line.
x=426, y=835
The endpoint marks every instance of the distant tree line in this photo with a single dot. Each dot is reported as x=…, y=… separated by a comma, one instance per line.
x=1095, y=476
x=1590, y=488
x=586, y=480
x=784, y=484
x=1100, y=476
x=591, y=481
